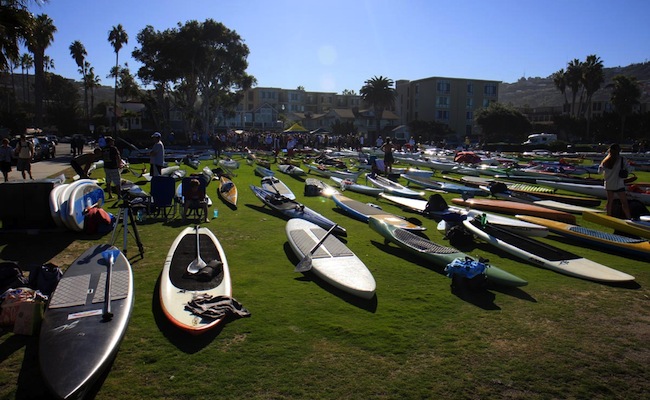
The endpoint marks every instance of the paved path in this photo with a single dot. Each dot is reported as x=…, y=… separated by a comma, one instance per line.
x=47, y=168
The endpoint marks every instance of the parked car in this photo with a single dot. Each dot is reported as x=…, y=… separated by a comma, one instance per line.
x=48, y=147
x=41, y=149
x=53, y=138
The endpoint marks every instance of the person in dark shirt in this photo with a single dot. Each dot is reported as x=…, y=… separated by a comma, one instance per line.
x=112, y=160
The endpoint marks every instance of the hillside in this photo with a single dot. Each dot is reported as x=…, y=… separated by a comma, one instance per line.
x=541, y=92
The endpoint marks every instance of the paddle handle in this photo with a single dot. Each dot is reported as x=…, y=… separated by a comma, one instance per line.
x=322, y=240
x=107, y=315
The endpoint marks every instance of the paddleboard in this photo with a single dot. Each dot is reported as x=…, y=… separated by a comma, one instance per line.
x=346, y=184
x=437, y=254
x=54, y=204
x=637, y=228
x=273, y=184
x=83, y=196
x=510, y=207
x=290, y=169
x=333, y=261
x=604, y=241
x=293, y=209
x=393, y=188
x=76, y=345
x=64, y=201
x=456, y=214
x=227, y=190
x=595, y=190
x=178, y=287
x=544, y=255
x=363, y=212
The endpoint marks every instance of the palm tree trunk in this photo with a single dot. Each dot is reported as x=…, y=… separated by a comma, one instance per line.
x=117, y=54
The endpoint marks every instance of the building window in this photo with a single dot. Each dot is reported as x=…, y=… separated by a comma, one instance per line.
x=417, y=88
x=468, y=130
x=470, y=89
x=469, y=115
x=486, y=103
x=415, y=104
x=442, y=102
x=443, y=86
x=442, y=115
x=490, y=89
x=470, y=103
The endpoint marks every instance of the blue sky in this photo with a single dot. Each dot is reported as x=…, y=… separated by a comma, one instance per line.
x=338, y=44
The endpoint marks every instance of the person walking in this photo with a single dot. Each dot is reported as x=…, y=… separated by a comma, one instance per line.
x=611, y=166
x=6, y=155
x=157, y=155
x=25, y=153
x=112, y=160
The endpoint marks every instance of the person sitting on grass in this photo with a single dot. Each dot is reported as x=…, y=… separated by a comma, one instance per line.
x=195, y=198
x=82, y=163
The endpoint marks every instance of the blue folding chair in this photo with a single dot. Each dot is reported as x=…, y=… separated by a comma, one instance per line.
x=162, y=197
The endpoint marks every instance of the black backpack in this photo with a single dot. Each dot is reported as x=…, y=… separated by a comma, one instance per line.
x=44, y=278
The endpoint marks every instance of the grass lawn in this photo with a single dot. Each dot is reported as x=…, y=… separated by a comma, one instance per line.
x=557, y=338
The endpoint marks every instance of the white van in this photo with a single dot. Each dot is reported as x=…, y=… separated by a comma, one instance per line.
x=541, y=138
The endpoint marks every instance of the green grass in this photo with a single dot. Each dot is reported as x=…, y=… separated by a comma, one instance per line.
x=558, y=337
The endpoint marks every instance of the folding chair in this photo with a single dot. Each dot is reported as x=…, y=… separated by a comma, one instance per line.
x=194, y=204
x=162, y=197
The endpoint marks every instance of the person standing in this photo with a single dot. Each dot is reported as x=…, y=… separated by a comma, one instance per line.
x=112, y=160
x=6, y=155
x=157, y=155
x=25, y=152
x=614, y=184
x=387, y=148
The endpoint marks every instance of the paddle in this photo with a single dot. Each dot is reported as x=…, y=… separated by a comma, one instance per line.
x=109, y=256
x=197, y=264
x=305, y=264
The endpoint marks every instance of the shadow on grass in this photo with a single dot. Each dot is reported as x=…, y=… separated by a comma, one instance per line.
x=483, y=297
x=20, y=246
x=368, y=305
x=184, y=341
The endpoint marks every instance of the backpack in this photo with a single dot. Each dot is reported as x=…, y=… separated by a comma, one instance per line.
x=459, y=236
x=45, y=278
x=97, y=221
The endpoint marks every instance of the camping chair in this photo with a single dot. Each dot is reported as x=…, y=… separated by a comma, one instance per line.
x=162, y=197
x=195, y=207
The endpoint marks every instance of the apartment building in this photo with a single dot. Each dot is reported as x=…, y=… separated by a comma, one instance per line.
x=451, y=101
x=261, y=108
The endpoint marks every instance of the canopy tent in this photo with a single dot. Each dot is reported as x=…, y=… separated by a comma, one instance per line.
x=296, y=128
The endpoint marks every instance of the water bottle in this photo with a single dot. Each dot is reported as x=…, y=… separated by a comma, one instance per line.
x=139, y=216
x=215, y=213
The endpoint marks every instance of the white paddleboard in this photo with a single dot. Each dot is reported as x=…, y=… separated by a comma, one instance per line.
x=333, y=261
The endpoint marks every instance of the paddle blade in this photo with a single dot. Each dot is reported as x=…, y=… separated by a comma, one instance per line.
x=110, y=255
x=304, y=265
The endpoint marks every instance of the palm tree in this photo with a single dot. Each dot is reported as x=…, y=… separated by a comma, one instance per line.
x=380, y=94
x=573, y=78
x=26, y=63
x=40, y=39
x=48, y=64
x=624, y=97
x=92, y=81
x=592, y=78
x=15, y=23
x=78, y=53
x=559, y=80
x=117, y=37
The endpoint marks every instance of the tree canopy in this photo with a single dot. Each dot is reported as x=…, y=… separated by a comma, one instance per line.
x=499, y=122
x=380, y=94
x=201, y=66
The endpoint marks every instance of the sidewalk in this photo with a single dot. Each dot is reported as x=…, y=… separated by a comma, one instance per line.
x=47, y=168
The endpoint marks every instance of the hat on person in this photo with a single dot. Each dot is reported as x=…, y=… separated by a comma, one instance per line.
x=156, y=134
